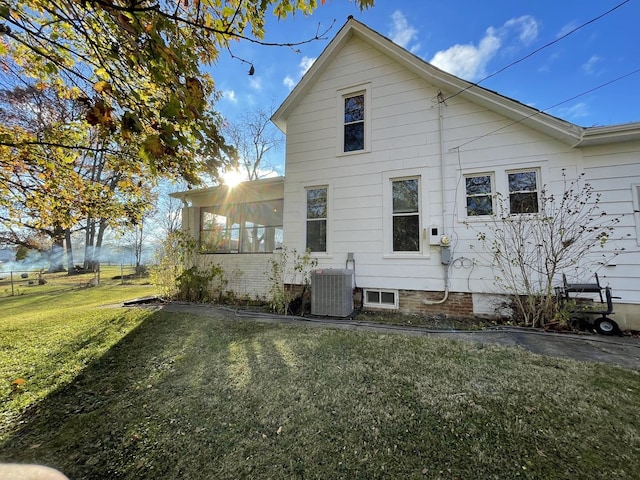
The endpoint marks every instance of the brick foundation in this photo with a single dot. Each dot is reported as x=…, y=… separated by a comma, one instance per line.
x=457, y=305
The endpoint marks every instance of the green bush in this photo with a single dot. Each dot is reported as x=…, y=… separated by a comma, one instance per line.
x=201, y=284
x=180, y=272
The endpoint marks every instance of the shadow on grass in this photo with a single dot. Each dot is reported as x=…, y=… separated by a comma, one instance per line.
x=88, y=428
x=151, y=407
x=185, y=396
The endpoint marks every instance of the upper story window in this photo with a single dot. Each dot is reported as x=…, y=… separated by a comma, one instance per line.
x=523, y=191
x=353, y=120
x=479, y=193
x=354, y=123
x=406, y=214
x=316, y=219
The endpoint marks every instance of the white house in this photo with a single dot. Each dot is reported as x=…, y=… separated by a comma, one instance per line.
x=386, y=155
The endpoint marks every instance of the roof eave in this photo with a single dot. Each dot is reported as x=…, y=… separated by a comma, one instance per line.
x=626, y=132
x=248, y=186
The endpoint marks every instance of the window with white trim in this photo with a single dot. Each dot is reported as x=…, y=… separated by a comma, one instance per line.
x=405, y=194
x=479, y=194
x=380, y=298
x=316, y=208
x=354, y=122
x=523, y=191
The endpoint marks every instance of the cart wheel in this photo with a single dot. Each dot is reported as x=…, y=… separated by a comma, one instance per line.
x=606, y=326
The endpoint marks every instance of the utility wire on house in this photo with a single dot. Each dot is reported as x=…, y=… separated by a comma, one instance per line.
x=538, y=112
x=529, y=55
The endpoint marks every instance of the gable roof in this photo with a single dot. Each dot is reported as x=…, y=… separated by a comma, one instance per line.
x=554, y=127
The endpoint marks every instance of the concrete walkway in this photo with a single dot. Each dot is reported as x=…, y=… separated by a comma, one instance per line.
x=623, y=351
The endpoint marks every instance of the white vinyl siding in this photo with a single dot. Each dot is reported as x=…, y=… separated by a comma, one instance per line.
x=403, y=140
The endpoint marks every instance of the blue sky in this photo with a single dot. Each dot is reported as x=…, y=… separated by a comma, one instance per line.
x=472, y=40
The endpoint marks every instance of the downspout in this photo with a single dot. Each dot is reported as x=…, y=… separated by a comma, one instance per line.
x=445, y=241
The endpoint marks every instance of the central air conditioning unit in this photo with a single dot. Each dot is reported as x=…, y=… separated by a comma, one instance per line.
x=332, y=292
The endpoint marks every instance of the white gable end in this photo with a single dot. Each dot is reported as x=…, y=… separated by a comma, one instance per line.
x=420, y=134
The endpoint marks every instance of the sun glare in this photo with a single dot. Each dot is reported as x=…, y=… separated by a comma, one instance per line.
x=232, y=178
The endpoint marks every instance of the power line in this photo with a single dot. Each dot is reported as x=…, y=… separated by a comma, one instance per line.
x=538, y=112
x=553, y=42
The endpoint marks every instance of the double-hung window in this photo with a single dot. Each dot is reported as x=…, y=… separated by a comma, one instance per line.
x=316, y=219
x=354, y=118
x=523, y=191
x=405, y=194
x=479, y=194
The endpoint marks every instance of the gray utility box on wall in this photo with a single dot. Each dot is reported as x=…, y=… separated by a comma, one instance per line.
x=332, y=292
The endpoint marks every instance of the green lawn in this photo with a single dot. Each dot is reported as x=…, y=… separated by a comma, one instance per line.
x=141, y=394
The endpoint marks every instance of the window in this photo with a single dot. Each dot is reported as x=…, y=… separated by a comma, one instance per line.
x=354, y=123
x=317, y=219
x=242, y=228
x=406, y=215
x=380, y=298
x=479, y=194
x=404, y=208
x=523, y=191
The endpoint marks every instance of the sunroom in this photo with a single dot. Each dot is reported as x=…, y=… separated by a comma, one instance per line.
x=238, y=228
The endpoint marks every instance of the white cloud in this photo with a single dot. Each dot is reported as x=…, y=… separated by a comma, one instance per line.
x=527, y=26
x=566, y=29
x=230, y=95
x=402, y=33
x=470, y=61
x=589, y=66
x=579, y=110
x=289, y=82
x=304, y=65
x=255, y=83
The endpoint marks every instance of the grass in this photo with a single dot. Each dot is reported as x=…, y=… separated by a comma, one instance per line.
x=14, y=284
x=184, y=396
x=432, y=321
x=48, y=336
